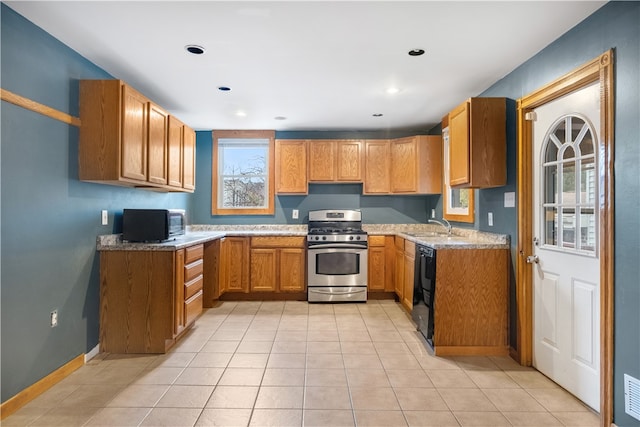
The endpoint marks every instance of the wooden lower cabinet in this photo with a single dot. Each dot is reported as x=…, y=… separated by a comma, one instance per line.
x=381, y=262
x=399, y=268
x=471, y=302
x=277, y=264
x=148, y=298
x=409, y=257
x=235, y=265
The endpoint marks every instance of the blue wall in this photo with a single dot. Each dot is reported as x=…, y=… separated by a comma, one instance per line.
x=375, y=209
x=616, y=25
x=50, y=220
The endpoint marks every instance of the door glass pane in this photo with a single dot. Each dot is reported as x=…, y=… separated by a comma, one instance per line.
x=587, y=229
x=551, y=184
x=569, y=228
x=569, y=183
x=576, y=126
x=551, y=154
x=586, y=145
x=568, y=153
x=588, y=181
x=550, y=226
x=559, y=131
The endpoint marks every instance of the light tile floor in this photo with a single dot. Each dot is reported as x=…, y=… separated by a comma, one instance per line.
x=293, y=364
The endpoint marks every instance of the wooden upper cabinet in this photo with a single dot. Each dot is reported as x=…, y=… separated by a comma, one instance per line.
x=157, y=159
x=349, y=161
x=135, y=113
x=124, y=138
x=377, y=167
x=176, y=144
x=189, y=159
x=322, y=160
x=478, y=144
x=291, y=166
x=416, y=165
x=335, y=160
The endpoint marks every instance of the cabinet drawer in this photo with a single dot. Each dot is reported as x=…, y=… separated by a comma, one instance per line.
x=193, y=270
x=376, y=240
x=193, y=253
x=192, y=308
x=192, y=287
x=278, y=242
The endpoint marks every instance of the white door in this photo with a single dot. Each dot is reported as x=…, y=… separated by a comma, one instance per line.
x=567, y=274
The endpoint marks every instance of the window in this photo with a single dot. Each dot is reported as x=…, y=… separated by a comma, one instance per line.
x=242, y=173
x=457, y=203
x=569, y=186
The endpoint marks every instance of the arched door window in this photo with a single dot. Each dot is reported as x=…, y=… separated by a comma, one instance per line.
x=570, y=188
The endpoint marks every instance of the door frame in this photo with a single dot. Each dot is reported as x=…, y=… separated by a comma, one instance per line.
x=600, y=70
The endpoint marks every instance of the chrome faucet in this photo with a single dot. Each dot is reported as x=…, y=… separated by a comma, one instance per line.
x=447, y=226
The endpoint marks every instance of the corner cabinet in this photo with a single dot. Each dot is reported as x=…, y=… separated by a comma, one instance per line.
x=411, y=165
x=127, y=140
x=478, y=144
x=291, y=166
x=149, y=298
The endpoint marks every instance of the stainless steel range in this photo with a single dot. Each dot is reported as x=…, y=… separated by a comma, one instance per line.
x=337, y=255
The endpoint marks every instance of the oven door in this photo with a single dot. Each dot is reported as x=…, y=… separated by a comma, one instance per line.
x=337, y=264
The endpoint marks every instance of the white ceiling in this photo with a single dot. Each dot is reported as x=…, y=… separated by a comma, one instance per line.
x=324, y=65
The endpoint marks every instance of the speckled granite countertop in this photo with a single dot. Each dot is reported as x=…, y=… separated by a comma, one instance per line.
x=424, y=234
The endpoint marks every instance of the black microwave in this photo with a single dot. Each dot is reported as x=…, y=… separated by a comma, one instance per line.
x=152, y=225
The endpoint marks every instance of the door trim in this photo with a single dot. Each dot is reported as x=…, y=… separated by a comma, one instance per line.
x=600, y=70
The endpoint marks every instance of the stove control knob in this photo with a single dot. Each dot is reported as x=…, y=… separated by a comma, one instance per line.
x=358, y=238
x=350, y=237
x=324, y=237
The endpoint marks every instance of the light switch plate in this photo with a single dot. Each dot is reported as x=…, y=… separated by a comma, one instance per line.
x=105, y=217
x=294, y=214
x=510, y=199
x=490, y=219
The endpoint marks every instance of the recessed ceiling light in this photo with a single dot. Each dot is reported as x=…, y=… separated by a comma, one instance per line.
x=279, y=118
x=416, y=52
x=195, y=49
x=224, y=88
x=392, y=90
x=377, y=115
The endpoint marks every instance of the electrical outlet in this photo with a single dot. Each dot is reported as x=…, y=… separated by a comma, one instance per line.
x=490, y=219
x=294, y=214
x=54, y=318
x=105, y=217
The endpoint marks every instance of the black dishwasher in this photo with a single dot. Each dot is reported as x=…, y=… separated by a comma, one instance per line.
x=424, y=291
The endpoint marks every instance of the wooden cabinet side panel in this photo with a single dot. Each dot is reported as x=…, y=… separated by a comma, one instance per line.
x=349, y=162
x=430, y=164
x=157, y=147
x=135, y=113
x=211, y=273
x=175, y=151
x=178, y=306
x=399, y=273
x=322, y=160
x=99, y=146
x=377, y=167
x=471, y=298
x=390, y=263
x=189, y=159
x=292, y=274
x=263, y=270
x=136, y=301
x=291, y=166
x=407, y=292
x=404, y=169
x=459, y=173
x=488, y=144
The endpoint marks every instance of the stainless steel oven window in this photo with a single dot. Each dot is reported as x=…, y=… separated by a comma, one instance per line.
x=322, y=273
x=338, y=263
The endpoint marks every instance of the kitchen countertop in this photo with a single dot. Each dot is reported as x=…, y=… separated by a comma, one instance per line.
x=423, y=234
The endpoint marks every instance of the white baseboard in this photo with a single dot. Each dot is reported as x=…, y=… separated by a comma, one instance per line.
x=92, y=353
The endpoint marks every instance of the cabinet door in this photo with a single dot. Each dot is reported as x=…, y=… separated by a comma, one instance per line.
x=176, y=140
x=349, y=162
x=376, y=270
x=377, y=166
x=178, y=318
x=189, y=159
x=291, y=166
x=404, y=173
x=263, y=269
x=237, y=273
x=157, y=159
x=322, y=160
x=459, y=145
x=133, y=158
x=292, y=272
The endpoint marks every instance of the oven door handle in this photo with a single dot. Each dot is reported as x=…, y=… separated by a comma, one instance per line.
x=334, y=292
x=336, y=246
